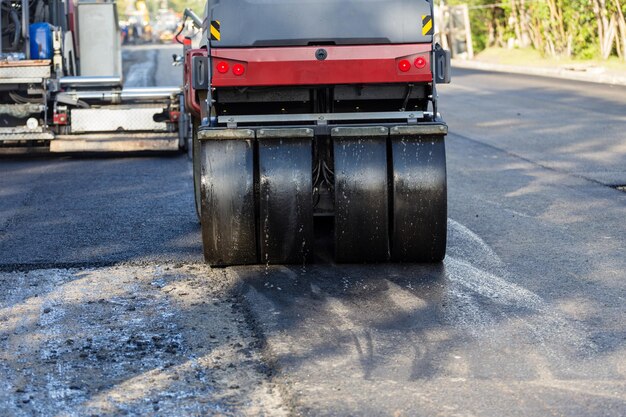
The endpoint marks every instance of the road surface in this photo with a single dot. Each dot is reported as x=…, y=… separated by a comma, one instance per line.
x=524, y=317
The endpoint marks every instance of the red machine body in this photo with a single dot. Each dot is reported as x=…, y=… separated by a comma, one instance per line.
x=316, y=65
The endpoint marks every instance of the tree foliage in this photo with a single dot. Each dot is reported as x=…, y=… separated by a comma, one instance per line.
x=556, y=28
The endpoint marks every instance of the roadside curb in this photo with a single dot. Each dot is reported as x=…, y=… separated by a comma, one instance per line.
x=594, y=75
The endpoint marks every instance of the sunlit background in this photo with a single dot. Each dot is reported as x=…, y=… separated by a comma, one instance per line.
x=153, y=20
x=521, y=31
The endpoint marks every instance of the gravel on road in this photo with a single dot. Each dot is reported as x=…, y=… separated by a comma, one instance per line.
x=157, y=340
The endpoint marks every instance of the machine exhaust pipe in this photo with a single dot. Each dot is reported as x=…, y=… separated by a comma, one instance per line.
x=93, y=81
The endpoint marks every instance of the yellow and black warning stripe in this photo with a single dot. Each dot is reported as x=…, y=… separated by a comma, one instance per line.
x=215, y=30
x=427, y=25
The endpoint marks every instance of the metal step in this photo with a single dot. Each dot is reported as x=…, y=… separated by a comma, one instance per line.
x=122, y=142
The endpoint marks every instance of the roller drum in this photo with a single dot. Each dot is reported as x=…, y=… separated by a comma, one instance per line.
x=196, y=165
x=285, y=200
x=419, y=198
x=361, y=195
x=228, y=206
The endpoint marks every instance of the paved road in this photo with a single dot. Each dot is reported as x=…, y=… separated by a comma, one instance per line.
x=81, y=211
x=524, y=317
x=73, y=211
x=150, y=65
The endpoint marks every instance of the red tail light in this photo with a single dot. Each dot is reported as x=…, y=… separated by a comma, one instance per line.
x=222, y=67
x=238, y=69
x=404, y=65
x=420, y=62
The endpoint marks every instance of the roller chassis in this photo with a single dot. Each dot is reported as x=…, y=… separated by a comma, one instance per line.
x=300, y=136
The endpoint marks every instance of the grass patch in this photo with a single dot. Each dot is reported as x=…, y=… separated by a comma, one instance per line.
x=532, y=58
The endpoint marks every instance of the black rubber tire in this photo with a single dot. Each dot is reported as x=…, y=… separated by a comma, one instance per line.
x=195, y=159
x=361, y=199
x=184, y=128
x=285, y=200
x=420, y=211
x=189, y=137
x=228, y=202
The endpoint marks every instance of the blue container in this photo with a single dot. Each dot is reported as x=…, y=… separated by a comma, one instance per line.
x=41, y=41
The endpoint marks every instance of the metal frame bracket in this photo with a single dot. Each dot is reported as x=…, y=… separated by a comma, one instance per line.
x=200, y=72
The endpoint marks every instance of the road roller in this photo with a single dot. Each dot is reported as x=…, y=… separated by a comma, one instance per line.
x=318, y=108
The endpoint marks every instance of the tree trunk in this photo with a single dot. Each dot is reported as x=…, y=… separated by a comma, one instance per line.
x=524, y=24
x=491, y=34
x=597, y=11
x=536, y=35
x=557, y=28
x=621, y=23
x=516, y=23
x=608, y=39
